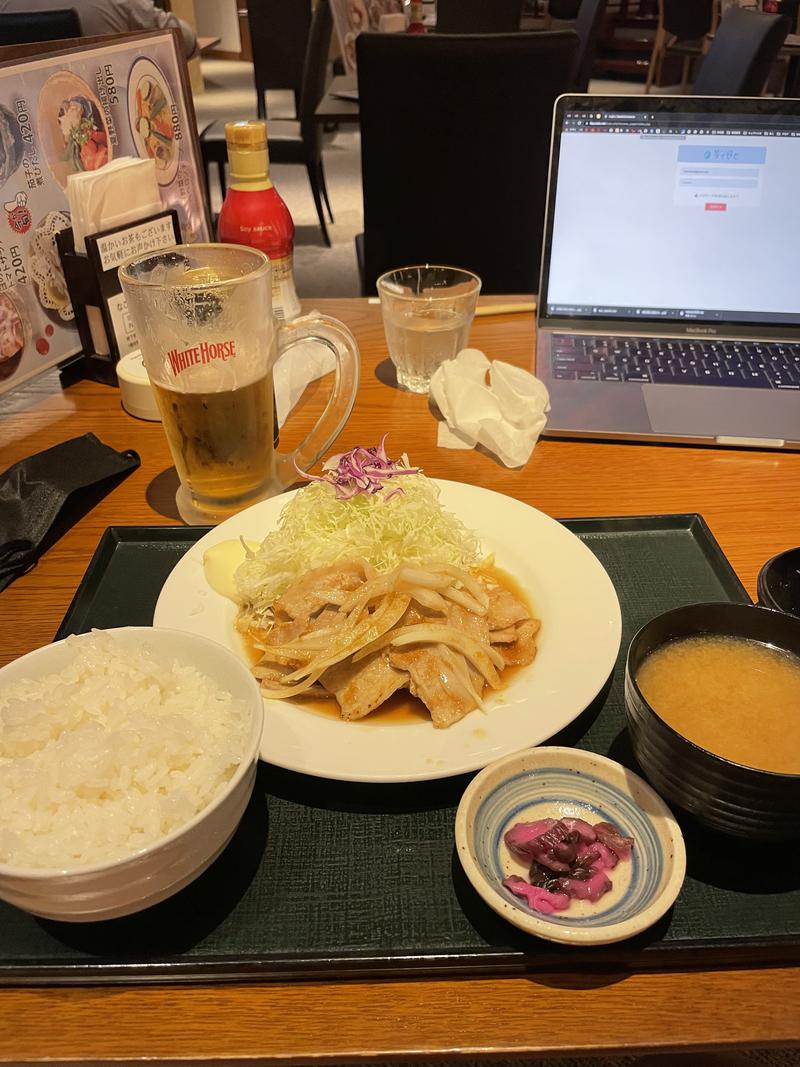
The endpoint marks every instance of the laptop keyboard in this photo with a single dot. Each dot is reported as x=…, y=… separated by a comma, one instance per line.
x=640, y=359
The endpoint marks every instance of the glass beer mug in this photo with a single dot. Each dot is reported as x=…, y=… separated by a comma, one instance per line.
x=203, y=314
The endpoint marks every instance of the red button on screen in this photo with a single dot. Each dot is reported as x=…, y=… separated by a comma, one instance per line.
x=712, y=206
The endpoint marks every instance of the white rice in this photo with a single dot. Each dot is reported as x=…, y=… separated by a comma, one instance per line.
x=117, y=750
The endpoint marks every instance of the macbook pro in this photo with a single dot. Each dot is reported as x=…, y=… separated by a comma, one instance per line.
x=669, y=304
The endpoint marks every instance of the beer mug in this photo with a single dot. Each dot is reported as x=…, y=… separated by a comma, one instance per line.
x=203, y=314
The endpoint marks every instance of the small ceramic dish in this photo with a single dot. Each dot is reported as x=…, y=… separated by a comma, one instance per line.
x=569, y=783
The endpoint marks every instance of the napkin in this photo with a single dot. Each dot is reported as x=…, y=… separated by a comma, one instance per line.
x=122, y=191
x=505, y=415
x=45, y=494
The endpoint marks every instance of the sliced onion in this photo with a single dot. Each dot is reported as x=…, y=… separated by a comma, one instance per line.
x=471, y=584
x=379, y=586
x=482, y=656
x=392, y=609
x=458, y=596
x=429, y=599
x=421, y=576
x=460, y=672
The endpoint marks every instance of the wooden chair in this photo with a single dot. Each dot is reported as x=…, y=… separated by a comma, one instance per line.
x=682, y=28
x=454, y=166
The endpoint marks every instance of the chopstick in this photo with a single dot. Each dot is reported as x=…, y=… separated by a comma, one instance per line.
x=505, y=309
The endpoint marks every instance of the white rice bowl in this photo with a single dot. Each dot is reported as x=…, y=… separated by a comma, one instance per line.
x=127, y=758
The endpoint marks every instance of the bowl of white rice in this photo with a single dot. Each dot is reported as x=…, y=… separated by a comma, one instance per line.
x=127, y=759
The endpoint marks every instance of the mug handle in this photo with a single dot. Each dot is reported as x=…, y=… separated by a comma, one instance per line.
x=336, y=337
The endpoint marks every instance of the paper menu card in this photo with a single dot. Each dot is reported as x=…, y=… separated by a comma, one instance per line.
x=71, y=112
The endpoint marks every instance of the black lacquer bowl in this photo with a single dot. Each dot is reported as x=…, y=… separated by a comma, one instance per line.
x=779, y=582
x=725, y=796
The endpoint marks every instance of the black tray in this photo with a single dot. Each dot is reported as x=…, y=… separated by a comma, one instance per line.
x=330, y=879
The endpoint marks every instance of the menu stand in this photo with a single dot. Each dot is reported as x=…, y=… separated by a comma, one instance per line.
x=96, y=293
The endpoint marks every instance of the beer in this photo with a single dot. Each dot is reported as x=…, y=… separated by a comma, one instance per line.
x=221, y=443
x=203, y=314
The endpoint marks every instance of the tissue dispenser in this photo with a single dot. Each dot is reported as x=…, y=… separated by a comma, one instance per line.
x=93, y=282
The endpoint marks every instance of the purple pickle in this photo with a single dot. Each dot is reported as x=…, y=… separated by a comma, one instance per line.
x=536, y=898
x=567, y=860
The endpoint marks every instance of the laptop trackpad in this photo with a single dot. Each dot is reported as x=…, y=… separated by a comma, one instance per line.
x=706, y=411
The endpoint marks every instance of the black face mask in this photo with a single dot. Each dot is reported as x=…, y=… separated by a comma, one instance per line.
x=43, y=495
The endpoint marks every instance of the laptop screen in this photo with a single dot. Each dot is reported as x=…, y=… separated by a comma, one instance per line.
x=674, y=209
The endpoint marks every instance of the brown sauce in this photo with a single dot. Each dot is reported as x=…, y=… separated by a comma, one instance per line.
x=737, y=698
x=401, y=708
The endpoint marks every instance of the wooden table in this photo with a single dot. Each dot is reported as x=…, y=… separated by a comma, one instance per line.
x=750, y=502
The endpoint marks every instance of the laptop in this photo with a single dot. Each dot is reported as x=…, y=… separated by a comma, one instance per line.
x=669, y=302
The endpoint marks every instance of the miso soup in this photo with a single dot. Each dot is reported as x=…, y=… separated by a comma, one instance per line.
x=737, y=698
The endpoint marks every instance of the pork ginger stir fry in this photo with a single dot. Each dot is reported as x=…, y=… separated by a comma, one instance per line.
x=346, y=631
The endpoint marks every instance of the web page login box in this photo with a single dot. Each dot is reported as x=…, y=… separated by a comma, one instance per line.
x=719, y=177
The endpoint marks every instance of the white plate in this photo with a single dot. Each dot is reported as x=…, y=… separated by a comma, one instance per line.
x=577, y=648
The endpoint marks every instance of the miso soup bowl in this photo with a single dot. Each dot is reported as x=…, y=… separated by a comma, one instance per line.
x=725, y=796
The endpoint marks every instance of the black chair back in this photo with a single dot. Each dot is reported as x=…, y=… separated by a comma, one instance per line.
x=279, y=37
x=455, y=140
x=31, y=26
x=741, y=55
x=563, y=9
x=315, y=71
x=478, y=16
x=687, y=20
x=587, y=27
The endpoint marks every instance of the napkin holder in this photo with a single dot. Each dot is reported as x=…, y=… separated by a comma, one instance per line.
x=93, y=281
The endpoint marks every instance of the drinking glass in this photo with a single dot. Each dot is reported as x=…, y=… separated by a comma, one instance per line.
x=427, y=315
x=203, y=314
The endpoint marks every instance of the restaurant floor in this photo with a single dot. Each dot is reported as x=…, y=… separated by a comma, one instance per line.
x=319, y=271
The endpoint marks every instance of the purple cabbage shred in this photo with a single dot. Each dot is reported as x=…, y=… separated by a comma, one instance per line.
x=361, y=470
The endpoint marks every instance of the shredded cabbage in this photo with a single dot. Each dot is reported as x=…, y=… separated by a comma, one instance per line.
x=315, y=528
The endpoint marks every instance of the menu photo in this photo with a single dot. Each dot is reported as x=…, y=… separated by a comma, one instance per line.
x=351, y=17
x=70, y=112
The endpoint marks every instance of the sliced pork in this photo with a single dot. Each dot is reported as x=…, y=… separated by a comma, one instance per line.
x=442, y=633
x=361, y=687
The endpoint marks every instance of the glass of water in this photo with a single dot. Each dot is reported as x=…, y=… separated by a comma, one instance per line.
x=427, y=315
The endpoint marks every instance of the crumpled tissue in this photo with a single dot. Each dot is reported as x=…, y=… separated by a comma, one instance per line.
x=505, y=415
